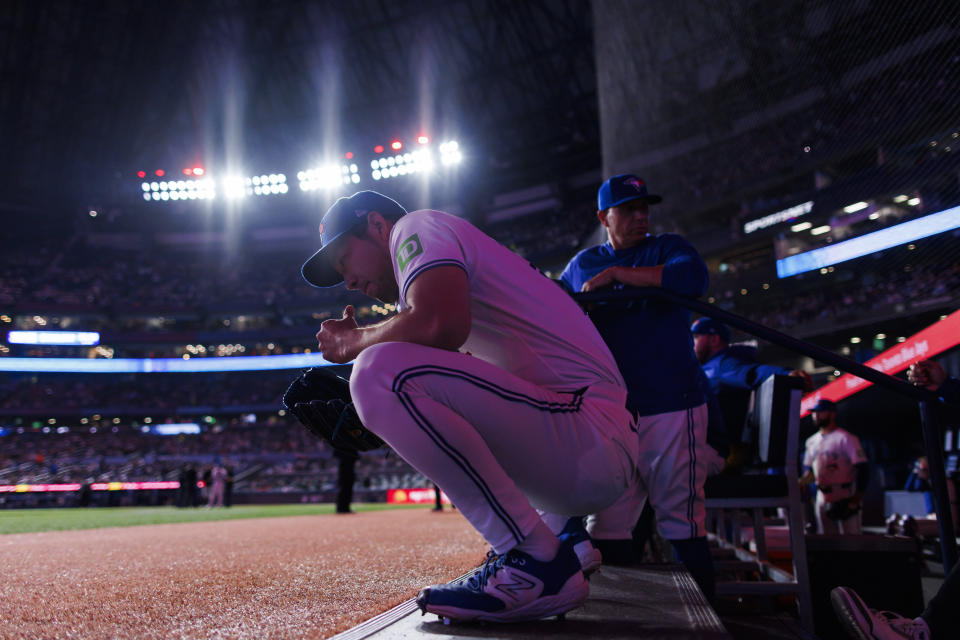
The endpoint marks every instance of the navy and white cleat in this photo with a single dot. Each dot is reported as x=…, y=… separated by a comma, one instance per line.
x=589, y=556
x=512, y=587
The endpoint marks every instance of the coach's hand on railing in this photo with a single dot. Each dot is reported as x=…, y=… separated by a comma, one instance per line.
x=927, y=374
x=807, y=380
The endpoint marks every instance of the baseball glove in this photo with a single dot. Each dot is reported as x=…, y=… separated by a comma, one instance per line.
x=321, y=401
x=843, y=509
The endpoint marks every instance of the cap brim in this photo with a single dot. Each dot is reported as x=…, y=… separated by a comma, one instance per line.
x=650, y=198
x=318, y=271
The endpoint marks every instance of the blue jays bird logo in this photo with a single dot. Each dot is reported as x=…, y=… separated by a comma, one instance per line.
x=636, y=183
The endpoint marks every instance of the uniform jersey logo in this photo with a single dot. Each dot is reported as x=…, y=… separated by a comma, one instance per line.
x=408, y=250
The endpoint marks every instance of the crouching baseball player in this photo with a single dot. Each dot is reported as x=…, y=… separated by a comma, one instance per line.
x=490, y=381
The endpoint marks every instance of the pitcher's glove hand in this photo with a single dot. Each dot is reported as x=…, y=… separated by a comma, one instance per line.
x=321, y=401
x=843, y=509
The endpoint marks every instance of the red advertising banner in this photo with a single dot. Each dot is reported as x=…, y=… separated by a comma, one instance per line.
x=414, y=496
x=925, y=344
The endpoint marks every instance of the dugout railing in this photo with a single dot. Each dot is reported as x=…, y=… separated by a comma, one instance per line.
x=925, y=399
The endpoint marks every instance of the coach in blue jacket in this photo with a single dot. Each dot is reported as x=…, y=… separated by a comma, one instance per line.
x=733, y=373
x=651, y=341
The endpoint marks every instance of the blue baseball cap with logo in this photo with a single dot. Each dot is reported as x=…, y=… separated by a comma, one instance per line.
x=623, y=188
x=342, y=217
x=824, y=405
x=709, y=326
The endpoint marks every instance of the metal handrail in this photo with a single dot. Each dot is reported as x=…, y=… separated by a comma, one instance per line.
x=925, y=399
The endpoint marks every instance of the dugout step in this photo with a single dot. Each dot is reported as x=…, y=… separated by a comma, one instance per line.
x=652, y=601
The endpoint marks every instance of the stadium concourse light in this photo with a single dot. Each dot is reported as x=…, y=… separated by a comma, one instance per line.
x=328, y=177
x=856, y=206
x=904, y=233
x=74, y=338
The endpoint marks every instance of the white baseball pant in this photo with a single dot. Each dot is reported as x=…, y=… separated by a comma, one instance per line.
x=827, y=525
x=674, y=462
x=499, y=446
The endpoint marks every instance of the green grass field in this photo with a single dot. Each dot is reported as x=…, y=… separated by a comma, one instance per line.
x=33, y=520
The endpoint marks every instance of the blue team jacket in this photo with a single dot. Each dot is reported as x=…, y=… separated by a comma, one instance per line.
x=731, y=374
x=737, y=366
x=650, y=339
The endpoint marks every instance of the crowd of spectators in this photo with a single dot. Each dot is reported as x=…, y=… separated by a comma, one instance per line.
x=277, y=455
x=139, y=393
x=546, y=238
x=100, y=279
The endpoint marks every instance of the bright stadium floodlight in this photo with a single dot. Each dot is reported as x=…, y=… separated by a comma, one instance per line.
x=234, y=187
x=450, y=153
x=402, y=164
x=176, y=190
x=327, y=177
x=262, y=185
x=819, y=231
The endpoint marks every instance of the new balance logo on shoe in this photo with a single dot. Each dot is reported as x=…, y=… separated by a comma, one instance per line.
x=519, y=583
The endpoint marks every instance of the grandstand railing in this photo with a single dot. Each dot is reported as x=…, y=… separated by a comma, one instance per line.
x=925, y=399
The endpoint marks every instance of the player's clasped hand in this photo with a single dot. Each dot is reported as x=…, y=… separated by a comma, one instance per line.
x=339, y=339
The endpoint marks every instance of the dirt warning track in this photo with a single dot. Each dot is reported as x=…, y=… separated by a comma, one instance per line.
x=296, y=577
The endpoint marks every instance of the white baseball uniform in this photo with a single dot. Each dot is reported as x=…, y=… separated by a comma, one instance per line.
x=529, y=415
x=675, y=460
x=833, y=457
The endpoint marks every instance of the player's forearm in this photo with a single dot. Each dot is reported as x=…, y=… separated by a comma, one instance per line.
x=639, y=276
x=686, y=274
x=431, y=330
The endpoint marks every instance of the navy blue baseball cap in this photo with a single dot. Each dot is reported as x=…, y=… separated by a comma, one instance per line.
x=342, y=217
x=824, y=405
x=711, y=327
x=623, y=188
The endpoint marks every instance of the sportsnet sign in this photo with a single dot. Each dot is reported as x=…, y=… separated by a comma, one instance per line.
x=780, y=216
x=935, y=339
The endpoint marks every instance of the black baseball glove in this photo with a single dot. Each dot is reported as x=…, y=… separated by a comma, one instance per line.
x=843, y=509
x=321, y=401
